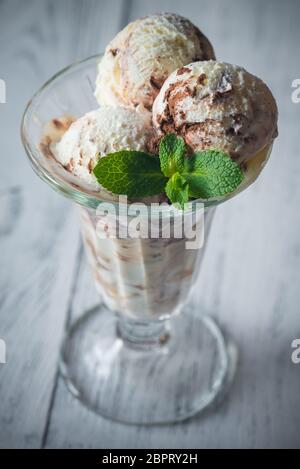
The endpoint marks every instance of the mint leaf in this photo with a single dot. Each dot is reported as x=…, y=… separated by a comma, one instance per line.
x=206, y=174
x=171, y=154
x=211, y=173
x=177, y=190
x=132, y=173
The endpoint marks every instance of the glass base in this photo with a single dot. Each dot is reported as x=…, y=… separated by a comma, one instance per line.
x=170, y=374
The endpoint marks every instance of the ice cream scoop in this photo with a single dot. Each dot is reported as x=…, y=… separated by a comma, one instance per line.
x=97, y=133
x=140, y=58
x=217, y=105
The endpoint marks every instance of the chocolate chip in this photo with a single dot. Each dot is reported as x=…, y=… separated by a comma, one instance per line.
x=155, y=83
x=69, y=166
x=230, y=131
x=58, y=124
x=90, y=166
x=114, y=52
x=183, y=70
x=201, y=79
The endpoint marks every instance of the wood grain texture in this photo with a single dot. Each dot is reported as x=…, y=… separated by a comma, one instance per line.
x=39, y=232
x=35, y=280
x=249, y=279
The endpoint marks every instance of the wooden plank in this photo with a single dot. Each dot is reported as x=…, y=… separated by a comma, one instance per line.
x=39, y=233
x=248, y=279
x=35, y=279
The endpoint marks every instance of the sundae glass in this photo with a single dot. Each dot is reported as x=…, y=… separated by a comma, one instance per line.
x=141, y=355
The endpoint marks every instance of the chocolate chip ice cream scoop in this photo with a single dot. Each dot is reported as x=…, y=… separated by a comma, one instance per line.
x=97, y=133
x=140, y=58
x=217, y=105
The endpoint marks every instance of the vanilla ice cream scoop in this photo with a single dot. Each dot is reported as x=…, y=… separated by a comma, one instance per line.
x=217, y=105
x=97, y=133
x=140, y=58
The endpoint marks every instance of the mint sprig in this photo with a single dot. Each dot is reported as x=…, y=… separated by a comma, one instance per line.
x=205, y=174
x=133, y=173
x=171, y=154
x=177, y=189
x=211, y=173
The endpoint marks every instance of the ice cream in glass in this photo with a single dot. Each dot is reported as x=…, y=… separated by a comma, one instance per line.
x=214, y=104
x=140, y=58
x=134, y=358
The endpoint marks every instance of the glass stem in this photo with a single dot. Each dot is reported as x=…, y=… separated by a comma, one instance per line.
x=143, y=334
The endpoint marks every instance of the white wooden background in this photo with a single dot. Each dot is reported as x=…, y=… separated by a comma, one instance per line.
x=250, y=277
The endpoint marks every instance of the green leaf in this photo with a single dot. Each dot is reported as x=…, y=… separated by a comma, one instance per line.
x=211, y=173
x=132, y=173
x=177, y=190
x=171, y=154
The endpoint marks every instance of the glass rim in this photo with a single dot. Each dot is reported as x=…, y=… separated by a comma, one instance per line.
x=79, y=194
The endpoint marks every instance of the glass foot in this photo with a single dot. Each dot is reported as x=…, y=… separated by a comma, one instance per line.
x=172, y=374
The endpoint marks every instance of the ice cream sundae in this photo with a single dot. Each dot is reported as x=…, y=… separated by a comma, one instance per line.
x=156, y=119
x=163, y=61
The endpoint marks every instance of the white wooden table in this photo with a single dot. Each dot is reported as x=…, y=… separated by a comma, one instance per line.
x=250, y=277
